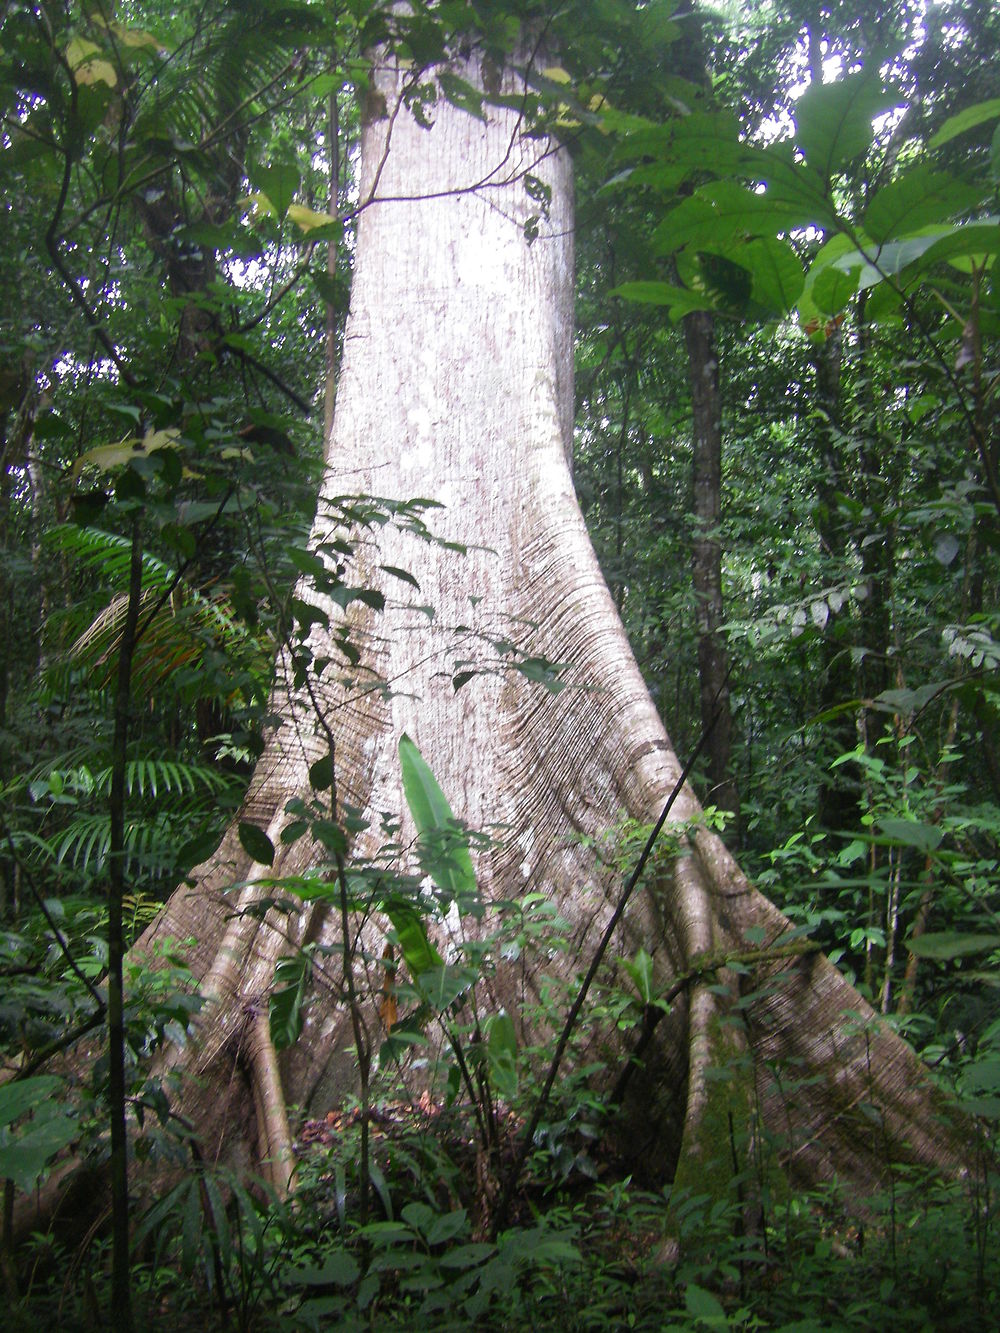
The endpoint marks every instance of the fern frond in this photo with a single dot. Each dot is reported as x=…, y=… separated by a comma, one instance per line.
x=140, y=909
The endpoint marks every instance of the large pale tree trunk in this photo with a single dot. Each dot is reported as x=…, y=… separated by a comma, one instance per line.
x=457, y=385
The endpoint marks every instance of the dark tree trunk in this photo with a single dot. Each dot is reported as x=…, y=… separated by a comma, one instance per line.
x=706, y=554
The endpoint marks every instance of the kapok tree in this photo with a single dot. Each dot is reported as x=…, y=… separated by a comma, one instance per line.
x=457, y=386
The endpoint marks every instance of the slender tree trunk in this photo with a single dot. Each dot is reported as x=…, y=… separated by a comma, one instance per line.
x=879, y=480
x=332, y=314
x=457, y=385
x=706, y=553
x=121, y=1298
x=838, y=796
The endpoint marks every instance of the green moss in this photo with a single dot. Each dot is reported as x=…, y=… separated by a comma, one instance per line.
x=724, y=1155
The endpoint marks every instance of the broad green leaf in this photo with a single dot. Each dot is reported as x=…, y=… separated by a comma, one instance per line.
x=540, y=1244
x=398, y=1044
x=442, y=986
x=501, y=1053
x=446, y=1226
x=381, y=1189
x=662, y=176
x=833, y=121
x=727, y=213
x=911, y=701
x=197, y=849
x=976, y=241
x=329, y=834
x=502, y=1036
x=321, y=774
x=704, y=1306
x=906, y=259
x=640, y=969
x=410, y=930
x=832, y=289
x=467, y=1256
x=988, y=1108
x=306, y=614
x=136, y=38
x=688, y=143
x=825, y=295
x=925, y=837
x=680, y=299
x=33, y=1145
x=920, y=197
x=417, y=1215
x=791, y=183
x=79, y=49
x=716, y=269
x=96, y=72
x=291, y=982
x=196, y=511
x=24, y=1095
x=777, y=273
x=307, y=219
x=629, y=126
x=331, y=287
x=944, y=944
x=278, y=182
x=107, y=456
x=657, y=28
x=370, y=596
x=982, y=1076
x=543, y=672
x=966, y=120
x=337, y=1270
x=256, y=843
x=83, y=58
x=403, y=574
x=307, y=562
x=444, y=846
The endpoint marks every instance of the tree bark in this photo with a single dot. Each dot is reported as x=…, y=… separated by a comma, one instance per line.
x=838, y=793
x=706, y=553
x=456, y=384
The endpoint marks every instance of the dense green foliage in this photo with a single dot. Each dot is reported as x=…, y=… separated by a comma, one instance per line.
x=178, y=211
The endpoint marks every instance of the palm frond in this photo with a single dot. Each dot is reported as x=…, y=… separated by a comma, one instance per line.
x=108, y=551
x=176, y=635
x=85, y=843
x=153, y=777
x=151, y=844
x=156, y=778
x=236, y=59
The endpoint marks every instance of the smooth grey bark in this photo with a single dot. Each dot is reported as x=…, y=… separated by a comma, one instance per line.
x=457, y=385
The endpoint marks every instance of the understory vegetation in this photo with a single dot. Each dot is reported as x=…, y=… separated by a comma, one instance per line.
x=179, y=214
